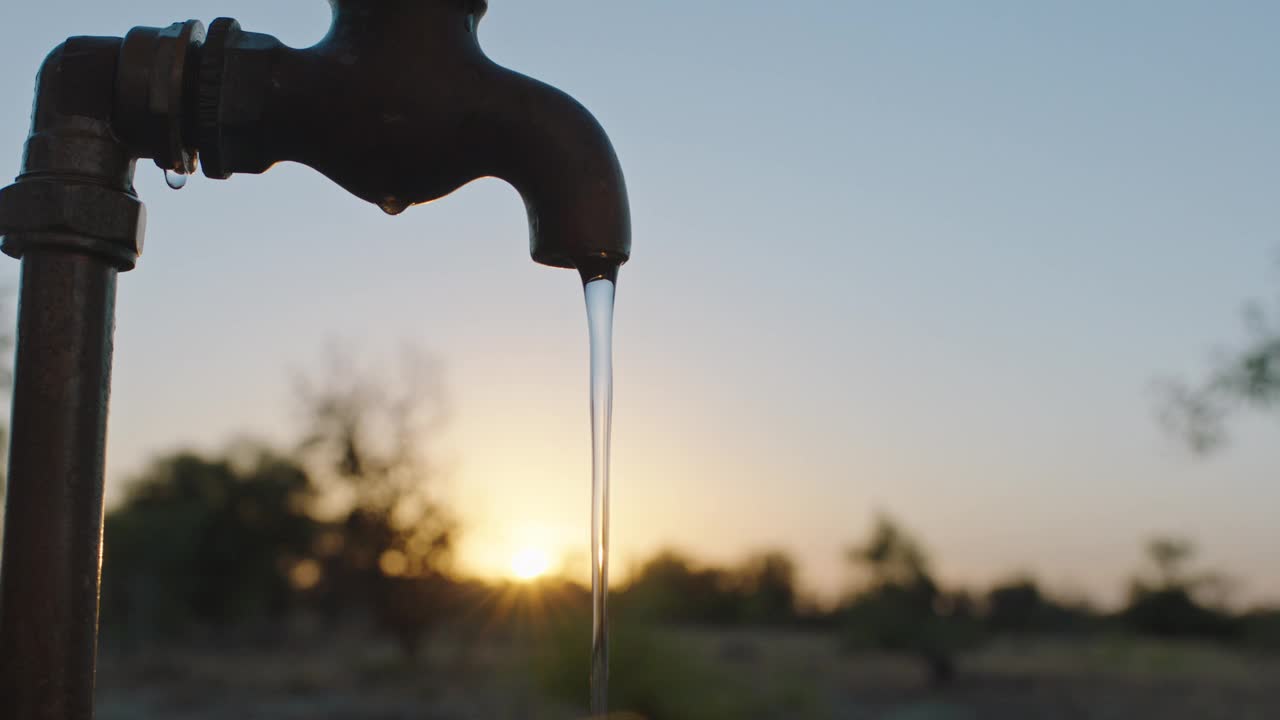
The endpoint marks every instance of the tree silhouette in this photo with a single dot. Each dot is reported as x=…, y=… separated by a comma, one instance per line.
x=670, y=588
x=901, y=607
x=1248, y=378
x=210, y=540
x=1167, y=604
x=891, y=556
x=1170, y=555
x=365, y=445
x=1018, y=605
x=768, y=586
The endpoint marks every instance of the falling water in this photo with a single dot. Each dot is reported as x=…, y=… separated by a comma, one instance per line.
x=600, y=294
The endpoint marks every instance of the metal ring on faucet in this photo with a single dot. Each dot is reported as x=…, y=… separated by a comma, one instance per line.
x=170, y=85
x=155, y=93
x=209, y=97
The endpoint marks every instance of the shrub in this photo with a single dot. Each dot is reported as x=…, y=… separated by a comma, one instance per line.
x=650, y=674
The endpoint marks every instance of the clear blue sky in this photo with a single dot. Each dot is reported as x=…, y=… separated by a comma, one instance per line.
x=925, y=257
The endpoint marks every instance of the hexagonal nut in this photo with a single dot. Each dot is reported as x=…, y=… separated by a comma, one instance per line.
x=92, y=211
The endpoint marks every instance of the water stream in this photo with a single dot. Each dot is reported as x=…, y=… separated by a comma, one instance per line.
x=600, y=295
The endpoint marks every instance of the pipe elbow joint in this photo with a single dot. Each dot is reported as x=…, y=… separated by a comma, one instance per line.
x=75, y=189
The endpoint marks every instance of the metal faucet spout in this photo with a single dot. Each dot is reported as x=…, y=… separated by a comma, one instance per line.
x=399, y=105
x=552, y=150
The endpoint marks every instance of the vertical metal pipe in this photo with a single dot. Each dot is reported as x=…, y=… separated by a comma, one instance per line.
x=50, y=572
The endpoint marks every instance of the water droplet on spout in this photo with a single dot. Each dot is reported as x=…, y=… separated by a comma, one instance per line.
x=175, y=179
x=393, y=206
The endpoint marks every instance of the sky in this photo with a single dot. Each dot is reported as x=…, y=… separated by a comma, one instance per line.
x=924, y=258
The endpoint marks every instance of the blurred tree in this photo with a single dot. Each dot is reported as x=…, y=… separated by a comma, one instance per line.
x=1015, y=606
x=1018, y=606
x=670, y=588
x=902, y=609
x=653, y=674
x=1167, y=603
x=391, y=539
x=209, y=540
x=1249, y=377
x=1261, y=628
x=891, y=556
x=768, y=586
x=1170, y=555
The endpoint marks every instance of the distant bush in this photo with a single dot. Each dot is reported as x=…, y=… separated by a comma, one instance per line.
x=1166, y=603
x=902, y=609
x=916, y=620
x=767, y=587
x=1173, y=612
x=206, y=540
x=1019, y=606
x=666, y=673
x=670, y=588
x=649, y=674
x=1260, y=629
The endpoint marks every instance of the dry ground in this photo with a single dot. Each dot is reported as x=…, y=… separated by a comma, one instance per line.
x=803, y=674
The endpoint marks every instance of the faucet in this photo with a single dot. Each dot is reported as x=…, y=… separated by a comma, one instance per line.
x=397, y=104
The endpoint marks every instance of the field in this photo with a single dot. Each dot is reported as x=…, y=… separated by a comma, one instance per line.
x=689, y=675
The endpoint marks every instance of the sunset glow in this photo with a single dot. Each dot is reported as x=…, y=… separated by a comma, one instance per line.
x=530, y=564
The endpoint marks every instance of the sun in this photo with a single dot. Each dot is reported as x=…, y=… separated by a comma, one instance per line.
x=530, y=563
